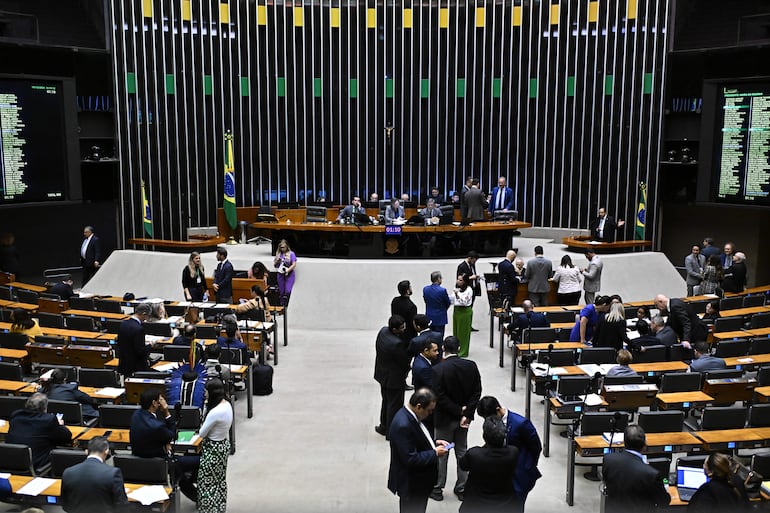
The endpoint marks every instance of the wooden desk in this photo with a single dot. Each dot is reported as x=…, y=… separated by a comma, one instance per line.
x=747, y=361
x=44, y=353
x=629, y=397
x=52, y=494
x=730, y=335
x=12, y=355
x=13, y=304
x=648, y=302
x=760, y=332
x=595, y=445
x=27, y=286
x=583, y=242
x=12, y=386
x=729, y=390
x=62, y=332
x=744, y=311
x=92, y=357
x=762, y=394
x=657, y=368
x=179, y=245
x=698, y=299
x=96, y=315
x=520, y=349
x=683, y=400
x=729, y=439
x=135, y=386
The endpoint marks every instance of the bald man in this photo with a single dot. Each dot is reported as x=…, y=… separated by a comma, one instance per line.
x=509, y=283
x=682, y=319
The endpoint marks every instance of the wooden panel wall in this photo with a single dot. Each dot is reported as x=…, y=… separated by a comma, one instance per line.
x=562, y=97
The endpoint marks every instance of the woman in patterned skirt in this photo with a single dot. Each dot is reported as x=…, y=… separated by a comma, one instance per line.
x=212, y=474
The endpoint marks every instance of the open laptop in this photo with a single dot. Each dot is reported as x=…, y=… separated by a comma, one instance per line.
x=688, y=480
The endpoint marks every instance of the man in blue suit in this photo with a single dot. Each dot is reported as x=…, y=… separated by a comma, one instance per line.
x=422, y=372
x=413, y=453
x=522, y=434
x=530, y=318
x=502, y=197
x=223, y=278
x=91, y=485
x=436, y=303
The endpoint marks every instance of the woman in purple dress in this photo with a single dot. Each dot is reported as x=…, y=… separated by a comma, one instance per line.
x=285, y=261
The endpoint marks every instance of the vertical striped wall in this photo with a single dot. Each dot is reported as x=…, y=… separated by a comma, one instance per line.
x=564, y=98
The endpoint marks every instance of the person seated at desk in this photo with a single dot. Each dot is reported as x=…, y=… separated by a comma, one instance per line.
x=22, y=322
x=431, y=211
x=186, y=337
x=233, y=340
x=40, y=430
x=723, y=491
x=394, y=212
x=644, y=339
x=56, y=388
x=152, y=430
x=703, y=361
x=212, y=362
x=354, y=208
x=529, y=319
x=258, y=271
x=92, y=485
x=435, y=195
x=63, y=289
x=712, y=312
x=255, y=309
x=624, y=359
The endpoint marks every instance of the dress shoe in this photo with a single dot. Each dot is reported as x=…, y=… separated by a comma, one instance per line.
x=380, y=430
x=436, y=495
x=409, y=387
x=473, y=329
x=460, y=494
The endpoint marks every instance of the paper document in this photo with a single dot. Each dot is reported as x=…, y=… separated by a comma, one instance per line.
x=593, y=400
x=36, y=486
x=150, y=494
x=4, y=475
x=166, y=366
x=111, y=391
x=617, y=437
x=745, y=360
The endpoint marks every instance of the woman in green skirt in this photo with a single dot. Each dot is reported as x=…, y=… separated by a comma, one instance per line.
x=215, y=431
x=462, y=315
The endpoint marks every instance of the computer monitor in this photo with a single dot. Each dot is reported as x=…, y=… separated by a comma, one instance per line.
x=362, y=219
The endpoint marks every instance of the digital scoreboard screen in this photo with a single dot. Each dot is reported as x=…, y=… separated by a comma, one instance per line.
x=742, y=144
x=33, y=156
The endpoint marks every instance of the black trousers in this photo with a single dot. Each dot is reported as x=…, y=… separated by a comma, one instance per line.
x=392, y=401
x=416, y=502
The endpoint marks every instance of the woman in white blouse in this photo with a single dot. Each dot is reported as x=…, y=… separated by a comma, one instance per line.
x=215, y=431
x=462, y=316
x=569, y=279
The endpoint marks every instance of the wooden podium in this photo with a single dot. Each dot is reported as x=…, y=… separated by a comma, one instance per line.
x=41, y=353
x=629, y=397
x=135, y=387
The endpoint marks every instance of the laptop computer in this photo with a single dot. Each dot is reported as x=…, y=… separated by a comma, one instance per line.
x=688, y=480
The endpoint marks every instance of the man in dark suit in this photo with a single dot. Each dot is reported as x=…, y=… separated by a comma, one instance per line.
x=603, y=228
x=529, y=319
x=520, y=433
x=413, y=454
x=152, y=430
x=354, y=208
x=463, y=204
x=475, y=202
x=508, y=281
x=631, y=485
x=735, y=275
x=223, y=278
x=90, y=253
x=502, y=197
x=132, y=348
x=63, y=289
x=436, y=303
x=457, y=384
x=40, y=430
x=682, y=319
x=404, y=306
x=467, y=269
x=539, y=271
x=422, y=365
x=645, y=338
x=422, y=326
x=391, y=365
x=91, y=485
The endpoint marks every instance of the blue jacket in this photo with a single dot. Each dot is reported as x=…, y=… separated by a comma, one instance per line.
x=415, y=345
x=422, y=373
x=436, y=303
x=522, y=434
x=224, y=279
x=507, y=201
x=149, y=435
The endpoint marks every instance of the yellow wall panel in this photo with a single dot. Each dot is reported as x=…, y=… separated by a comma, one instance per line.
x=480, y=15
x=186, y=10
x=147, y=8
x=407, y=18
x=443, y=18
x=335, y=17
x=516, y=17
x=631, y=11
x=299, y=17
x=555, y=14
x=371, y=18
x=224, y=13
x=593, y=11
x=261, y=15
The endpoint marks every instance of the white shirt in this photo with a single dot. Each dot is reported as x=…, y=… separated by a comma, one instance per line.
x=463, y=298
x=422, y=426
x=569, y=279
x=217, y=424
x=84, y=246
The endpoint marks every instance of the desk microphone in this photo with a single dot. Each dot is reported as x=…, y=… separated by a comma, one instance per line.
x=594, y=383
x=178, y=411
x=550, y=350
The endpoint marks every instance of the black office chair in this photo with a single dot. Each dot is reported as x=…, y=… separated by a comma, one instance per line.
x=189, y=418
x=661, y=421
x=62, y=459
x=679, y=353
x=559, y=357
x=560, y=316
x=27, y=296
x=112, y=325
x=622, y=380
x=116, y=416
x=175, y=310
x=107, y=306
x=597, y=355
x=208, y=331
x=71, y=374
x=152, y=374
x=9, y=404
x=231, y=356
x=731, y=348
x=173, y=353
x=597, y=423
x=759, y=415
x=142, y=470
x=753, y=300
x=50, y=320
x=13, y=340
x=759, y=346
x=81, y=303
x=698, y=307
x=760, y=463
x=730, y=303
x=723, y=417
x=72, y=411
x=763, y=376
x=7, y=294
x=672, y=382
x=728, y=324
x=99, y=378
x=78, y=323
x=11, y=371
x=652, y=354
x=760, y=320
x=17, y=459
x=538, y=335
x=722, y=374
x=5, y=315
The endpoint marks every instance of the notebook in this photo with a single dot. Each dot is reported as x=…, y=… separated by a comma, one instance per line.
x=688, y=480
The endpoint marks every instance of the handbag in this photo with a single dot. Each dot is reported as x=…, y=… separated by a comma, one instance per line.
x=751, y=480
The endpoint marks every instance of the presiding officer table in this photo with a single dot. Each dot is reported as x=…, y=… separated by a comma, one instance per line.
x=378, y=241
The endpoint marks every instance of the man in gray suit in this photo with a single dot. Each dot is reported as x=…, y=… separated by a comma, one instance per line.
x=593, y=276
x=475, y=201
x=538, y=272
x=694, y=263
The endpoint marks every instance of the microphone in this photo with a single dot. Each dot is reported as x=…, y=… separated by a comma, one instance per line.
x=550, y=350
x=595, y=381
x=178, y=411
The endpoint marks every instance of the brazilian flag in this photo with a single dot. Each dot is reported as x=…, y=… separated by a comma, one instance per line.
x=229, y=202
x=146, y=213
x=641, y=212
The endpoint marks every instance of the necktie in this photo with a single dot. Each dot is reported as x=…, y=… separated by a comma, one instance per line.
x=500, y=196
x=219, y=267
